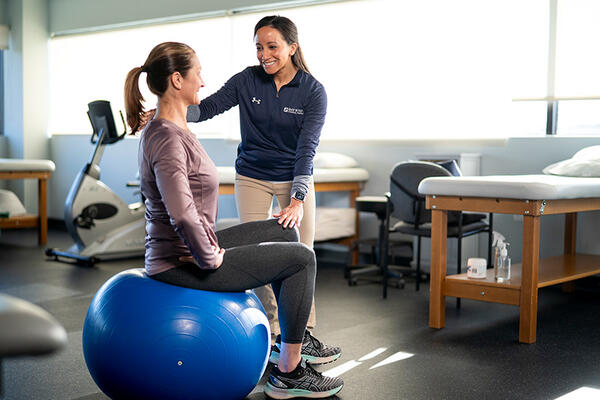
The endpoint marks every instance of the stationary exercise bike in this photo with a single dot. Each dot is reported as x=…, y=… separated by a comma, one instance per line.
x=101, y=224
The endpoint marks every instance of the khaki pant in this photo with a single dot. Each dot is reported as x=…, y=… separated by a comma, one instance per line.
x=254, y=200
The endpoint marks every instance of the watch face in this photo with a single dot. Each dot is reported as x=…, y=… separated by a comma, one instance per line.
x=299, y=196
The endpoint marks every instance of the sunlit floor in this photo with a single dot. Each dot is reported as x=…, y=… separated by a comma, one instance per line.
x=389, y=352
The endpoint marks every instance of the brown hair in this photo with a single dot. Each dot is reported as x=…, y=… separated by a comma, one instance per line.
x=164, y=59
x=288, y=30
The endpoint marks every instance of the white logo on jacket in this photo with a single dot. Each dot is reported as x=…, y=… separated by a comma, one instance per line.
x=290, y=110
x=255, y=100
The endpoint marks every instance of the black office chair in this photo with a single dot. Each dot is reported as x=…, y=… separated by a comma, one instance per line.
x=407, y=206
x=372, y=271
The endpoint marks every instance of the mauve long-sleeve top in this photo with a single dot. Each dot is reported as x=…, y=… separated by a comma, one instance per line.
x=180, y=184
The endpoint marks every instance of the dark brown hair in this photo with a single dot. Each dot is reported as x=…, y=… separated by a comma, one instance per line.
x=288, y=30
x=164, y=59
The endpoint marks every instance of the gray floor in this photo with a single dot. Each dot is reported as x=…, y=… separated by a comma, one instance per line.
x=387, y=345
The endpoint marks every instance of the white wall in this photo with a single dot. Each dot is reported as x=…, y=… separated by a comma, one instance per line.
x=26, y=88
x=3, y=21
x=513, y=156
x=3, y=148
x=2, y=11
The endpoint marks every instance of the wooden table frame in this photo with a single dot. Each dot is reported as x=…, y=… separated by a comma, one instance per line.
x=39, y=221
x=527, y=277
x=352, y=187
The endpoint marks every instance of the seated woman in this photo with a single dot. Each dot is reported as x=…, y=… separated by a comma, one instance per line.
x=180, y=184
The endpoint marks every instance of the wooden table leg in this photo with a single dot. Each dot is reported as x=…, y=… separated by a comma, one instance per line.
x=570, y=232
x=570, y=246
x=355, y=254
x=529, y=279
x=437, y=301
x=42, y=211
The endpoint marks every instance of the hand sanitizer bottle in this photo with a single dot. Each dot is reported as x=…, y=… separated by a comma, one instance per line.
x=503, y=267
x=498, y=244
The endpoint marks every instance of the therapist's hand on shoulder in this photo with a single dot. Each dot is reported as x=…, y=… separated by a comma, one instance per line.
x=219, y=254
x=291, y=215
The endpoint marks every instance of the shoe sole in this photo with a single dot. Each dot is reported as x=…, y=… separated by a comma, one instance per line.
x=274, y=358
x=277, y=393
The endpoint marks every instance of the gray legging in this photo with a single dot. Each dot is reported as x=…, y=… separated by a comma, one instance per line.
x=258, y=253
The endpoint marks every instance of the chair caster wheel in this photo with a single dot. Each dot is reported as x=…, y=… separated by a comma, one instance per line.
x=89, y=263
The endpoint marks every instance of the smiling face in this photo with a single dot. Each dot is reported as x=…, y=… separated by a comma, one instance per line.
x=273, y=52
x=192, y=83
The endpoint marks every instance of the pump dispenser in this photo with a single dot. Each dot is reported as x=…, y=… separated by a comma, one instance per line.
x=498, y=244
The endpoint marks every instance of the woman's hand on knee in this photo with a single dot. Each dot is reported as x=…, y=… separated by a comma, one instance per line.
x=219, y=253
x=291, y=215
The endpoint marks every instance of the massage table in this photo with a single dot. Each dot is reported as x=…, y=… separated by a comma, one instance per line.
x=531, y=196
x=29, y=169
x=349, y=180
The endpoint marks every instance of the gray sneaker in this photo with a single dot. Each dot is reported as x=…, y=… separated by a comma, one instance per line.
x=304, y=382
x=313, y=351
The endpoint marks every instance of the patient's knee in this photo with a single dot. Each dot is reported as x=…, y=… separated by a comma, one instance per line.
x=290, y=234
x=308, y=258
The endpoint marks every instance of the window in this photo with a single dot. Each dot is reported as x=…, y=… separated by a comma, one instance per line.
x=577, y=67
x=570, y=99
x=84, y=68
x=528, y=40
x=393, y=69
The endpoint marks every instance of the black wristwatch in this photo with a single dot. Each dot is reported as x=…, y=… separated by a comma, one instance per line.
x=299, y=196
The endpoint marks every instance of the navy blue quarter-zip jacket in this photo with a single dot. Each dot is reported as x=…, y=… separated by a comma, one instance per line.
x=280, y=131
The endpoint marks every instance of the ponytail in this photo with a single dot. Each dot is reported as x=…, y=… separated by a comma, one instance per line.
x=164, y=59
x=134, y=110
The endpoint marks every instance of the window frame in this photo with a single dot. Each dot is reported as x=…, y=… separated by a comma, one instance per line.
x=553, y=101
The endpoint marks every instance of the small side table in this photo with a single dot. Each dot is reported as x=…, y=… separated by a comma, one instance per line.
x=29, y=169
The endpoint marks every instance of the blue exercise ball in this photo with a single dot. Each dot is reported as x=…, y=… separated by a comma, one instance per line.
x=144, y=339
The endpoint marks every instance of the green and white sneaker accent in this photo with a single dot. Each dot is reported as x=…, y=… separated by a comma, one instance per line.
x=304, y=382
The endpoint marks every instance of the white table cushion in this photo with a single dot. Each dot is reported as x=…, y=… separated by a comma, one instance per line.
x=333, y=160
x=334, y=223
x=9, y=202
x=15, y=164
x=530, y=187
x=340, y=175
x=227, y=175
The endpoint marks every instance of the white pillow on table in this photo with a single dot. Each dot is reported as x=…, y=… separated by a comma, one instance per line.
x=584, y=163
x=333, y=160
